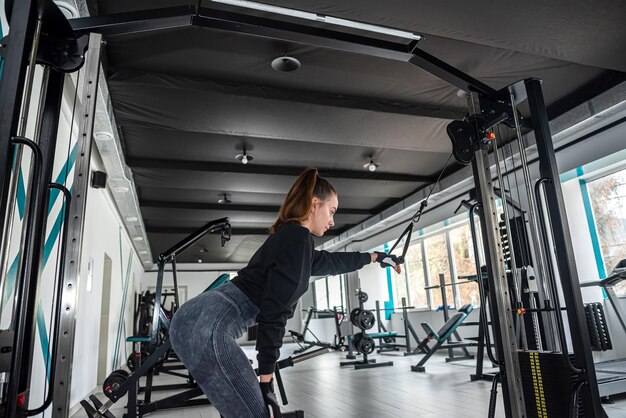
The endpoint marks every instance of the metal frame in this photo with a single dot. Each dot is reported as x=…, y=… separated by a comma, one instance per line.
x=300, y=33
x=499, y=303
x=12, y=88
x=80, y=186
x=303, y=33
x=563, y=247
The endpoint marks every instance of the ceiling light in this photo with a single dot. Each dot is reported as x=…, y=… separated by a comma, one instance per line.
x=285, y=64
x=244, y=158
x=143, y=252
x=132, y=219
x=371, y=165
x=103, y=136
x=121, y=189
x=147, y=261
x=199, y=260
x=68, y=9
x=224, y=200
x=322, y=18
x=138, y=239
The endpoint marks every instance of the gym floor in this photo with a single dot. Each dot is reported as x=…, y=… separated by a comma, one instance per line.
x=324, y=390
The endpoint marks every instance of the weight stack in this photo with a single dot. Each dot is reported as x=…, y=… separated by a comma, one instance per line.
x=548, y=385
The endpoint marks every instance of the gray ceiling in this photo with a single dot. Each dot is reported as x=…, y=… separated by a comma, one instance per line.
x=187, y=100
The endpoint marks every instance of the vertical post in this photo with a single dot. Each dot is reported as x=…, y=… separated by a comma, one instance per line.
x=500, y=302
x=175, y=278
x=80, y=186
x=405, y=318
x=157, y=303
x=444, y=301
x=12, y=88
x=563, y=247
x=47, y=144
x=453, y=272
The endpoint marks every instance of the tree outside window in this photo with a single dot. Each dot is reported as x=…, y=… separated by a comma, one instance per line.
x=414, y=268
x=608, y=201
x=463, y=249
x=438, y=262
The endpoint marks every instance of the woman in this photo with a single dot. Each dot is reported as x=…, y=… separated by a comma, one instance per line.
x=205, y=329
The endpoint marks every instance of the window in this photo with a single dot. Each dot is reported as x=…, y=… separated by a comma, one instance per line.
x=415, y=278
x=438, y=263
x=329, y=292
x=463, y=250
x=321, y=294
x=608, y=201
x=335, y=292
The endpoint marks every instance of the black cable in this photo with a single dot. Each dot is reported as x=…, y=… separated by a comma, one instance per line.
x=424, y=203
x=415, y=218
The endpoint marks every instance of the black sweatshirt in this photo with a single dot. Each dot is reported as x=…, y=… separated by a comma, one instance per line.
x=278, y=275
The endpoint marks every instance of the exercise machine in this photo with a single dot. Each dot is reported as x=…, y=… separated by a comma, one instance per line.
x=388, y=339
x=442, y=336
x=300, y=337
x=611, y=374
x=157, y=347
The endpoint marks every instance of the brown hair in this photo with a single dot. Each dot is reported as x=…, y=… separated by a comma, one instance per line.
x=295, y=207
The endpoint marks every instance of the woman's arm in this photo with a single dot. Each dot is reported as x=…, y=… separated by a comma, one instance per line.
x=325, y=263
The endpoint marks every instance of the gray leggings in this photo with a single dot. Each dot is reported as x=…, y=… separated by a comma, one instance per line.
x=204, y=332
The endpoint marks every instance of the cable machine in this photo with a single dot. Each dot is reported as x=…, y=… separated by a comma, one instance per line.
x=523, y=372
x=41, y=35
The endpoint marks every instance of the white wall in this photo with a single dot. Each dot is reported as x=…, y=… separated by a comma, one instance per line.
x=102, y=236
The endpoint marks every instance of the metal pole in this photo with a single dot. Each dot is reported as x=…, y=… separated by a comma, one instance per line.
x=519, y=324
x=533, y=223
x=563, y=246
x=80, y=186
x=48, y=126
x=502, y=316
x=17, y=161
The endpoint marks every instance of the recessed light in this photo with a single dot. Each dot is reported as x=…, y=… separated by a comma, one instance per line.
x=143, y=252
x=285, y=64
x=199, y=260
x=121, y=189
x=138, y=239
x=132, y=219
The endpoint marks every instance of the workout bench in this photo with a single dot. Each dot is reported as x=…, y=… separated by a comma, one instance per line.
x=442, y=336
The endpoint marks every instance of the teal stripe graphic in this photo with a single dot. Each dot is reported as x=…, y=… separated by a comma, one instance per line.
x=21, y=194
x=61, y=179
x=43, y=338
x=48, y=247
x=388, y=304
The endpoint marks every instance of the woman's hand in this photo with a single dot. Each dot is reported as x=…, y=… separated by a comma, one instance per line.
x=265, y=378
x=387, y=260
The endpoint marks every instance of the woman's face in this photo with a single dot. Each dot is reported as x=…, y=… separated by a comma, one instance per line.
x=322, y=214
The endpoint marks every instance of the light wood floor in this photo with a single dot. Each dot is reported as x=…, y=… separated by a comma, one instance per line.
x=324, y=390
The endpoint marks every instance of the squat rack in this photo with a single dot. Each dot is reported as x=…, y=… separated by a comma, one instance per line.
x=483, y=102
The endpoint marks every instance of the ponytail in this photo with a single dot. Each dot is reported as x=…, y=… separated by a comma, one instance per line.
x=296, y=206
